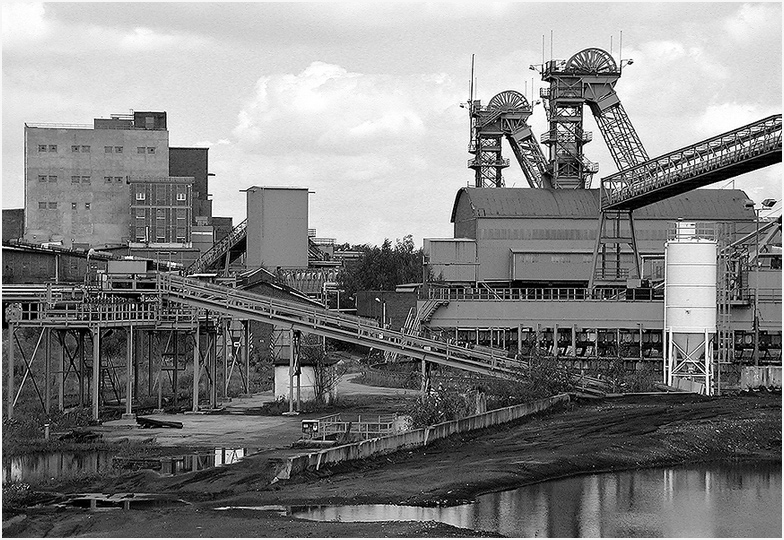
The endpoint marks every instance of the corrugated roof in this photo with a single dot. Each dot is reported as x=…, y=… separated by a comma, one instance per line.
x=699, y=204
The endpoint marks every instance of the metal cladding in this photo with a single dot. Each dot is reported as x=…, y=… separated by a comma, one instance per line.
x=700, y=205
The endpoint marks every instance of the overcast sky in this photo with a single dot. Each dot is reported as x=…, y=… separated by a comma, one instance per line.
x=361, y=102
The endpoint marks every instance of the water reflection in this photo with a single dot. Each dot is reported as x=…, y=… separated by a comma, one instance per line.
x=696, y=501
x=45, y=466
x=54, y=465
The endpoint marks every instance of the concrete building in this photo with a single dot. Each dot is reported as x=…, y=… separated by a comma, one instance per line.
x=79, y=180
x=277, y=229
x=76, y=189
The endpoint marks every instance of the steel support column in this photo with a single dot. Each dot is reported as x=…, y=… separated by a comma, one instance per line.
x=129, y=365
x=11, y=332
x=96, y=333
x=196, y=369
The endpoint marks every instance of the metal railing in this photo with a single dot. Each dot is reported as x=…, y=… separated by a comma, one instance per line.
x=366, y=427
x=544, y=294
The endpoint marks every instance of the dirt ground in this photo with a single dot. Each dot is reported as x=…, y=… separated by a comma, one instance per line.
x=590, y=436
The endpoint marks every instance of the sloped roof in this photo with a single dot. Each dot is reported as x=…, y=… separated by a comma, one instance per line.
x=699, y=204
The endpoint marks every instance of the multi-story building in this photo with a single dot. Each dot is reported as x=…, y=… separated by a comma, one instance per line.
x=79, y=180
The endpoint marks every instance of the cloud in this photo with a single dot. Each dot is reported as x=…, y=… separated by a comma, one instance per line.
x=326, y=108
x=23, y=23
x=752, y=20
x=723, y=117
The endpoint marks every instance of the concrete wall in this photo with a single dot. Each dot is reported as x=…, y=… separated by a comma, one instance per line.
x=277, y=232
x=13, y=223
x=193, y=162
x=307, y=383
x=67, y=217
x=413, y=439
x=760, y=377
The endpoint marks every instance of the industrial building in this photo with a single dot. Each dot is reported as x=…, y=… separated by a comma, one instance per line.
x=558, y=269
x=79, y=180
x=555, y=269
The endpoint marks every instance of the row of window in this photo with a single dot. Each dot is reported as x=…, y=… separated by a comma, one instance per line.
x=44, y=205
x=160, y=234
x=160, y=213
x=84, y=148
x=141, y=196
x=76, y=179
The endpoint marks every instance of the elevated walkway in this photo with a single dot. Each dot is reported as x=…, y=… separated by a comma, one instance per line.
x=724, y=156
x=322, y=322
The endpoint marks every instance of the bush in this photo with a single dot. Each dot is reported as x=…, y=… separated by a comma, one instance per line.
x=442, y=405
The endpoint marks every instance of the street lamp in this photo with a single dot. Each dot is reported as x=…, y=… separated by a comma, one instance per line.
x=383, y=312
x=767, y=203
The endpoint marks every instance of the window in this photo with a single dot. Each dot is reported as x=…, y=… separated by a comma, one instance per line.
x=75, y=179
x=151, y=150
x=53, y=178
x=140, y=214
x=118, y=178
x=107, y=179
x=180, y=234
x=85, y=179
x=42, y=206
x=53, y=148
x=140, y=149
x=108, y=149
x=118, y=149
x=73, y=206
x=42, y=148
x=140, y=233
x=42, y=178
x=181, y=196
x=86, y=206
x=86, y=149
x=160, y=213
x=75, y=148
x=52, y=206
x=140, y=196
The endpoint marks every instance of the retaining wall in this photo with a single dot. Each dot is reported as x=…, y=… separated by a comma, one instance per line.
x=412, y=439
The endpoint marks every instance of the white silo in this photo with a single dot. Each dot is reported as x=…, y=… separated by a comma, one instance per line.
x=689, y=309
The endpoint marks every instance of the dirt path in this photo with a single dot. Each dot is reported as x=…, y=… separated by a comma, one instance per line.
x=611, y=434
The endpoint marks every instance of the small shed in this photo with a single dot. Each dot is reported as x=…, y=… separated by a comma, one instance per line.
x=315, y=378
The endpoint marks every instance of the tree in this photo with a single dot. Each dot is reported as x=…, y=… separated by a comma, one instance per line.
x=382, y=268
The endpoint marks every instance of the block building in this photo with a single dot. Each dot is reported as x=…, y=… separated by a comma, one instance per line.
x=116, y=184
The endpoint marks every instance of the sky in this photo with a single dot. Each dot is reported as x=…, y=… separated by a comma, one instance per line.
x=360, y=102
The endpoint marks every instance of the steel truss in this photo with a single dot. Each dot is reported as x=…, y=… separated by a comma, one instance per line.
x=718, y=158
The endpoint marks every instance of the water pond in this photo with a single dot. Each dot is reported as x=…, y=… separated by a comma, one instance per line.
x=726, y=500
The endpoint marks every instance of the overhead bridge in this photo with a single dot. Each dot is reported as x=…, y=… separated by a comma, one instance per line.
x=724, y=156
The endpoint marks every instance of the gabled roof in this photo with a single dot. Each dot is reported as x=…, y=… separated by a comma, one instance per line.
x=699, y=204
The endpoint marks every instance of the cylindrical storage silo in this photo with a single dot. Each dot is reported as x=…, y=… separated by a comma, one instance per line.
x=690, y=302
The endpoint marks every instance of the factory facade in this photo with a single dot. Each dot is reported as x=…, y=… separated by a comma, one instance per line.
x=516, y=275
x=116, y=183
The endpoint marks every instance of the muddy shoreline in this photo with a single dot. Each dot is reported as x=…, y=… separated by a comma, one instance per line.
x=588, y=437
